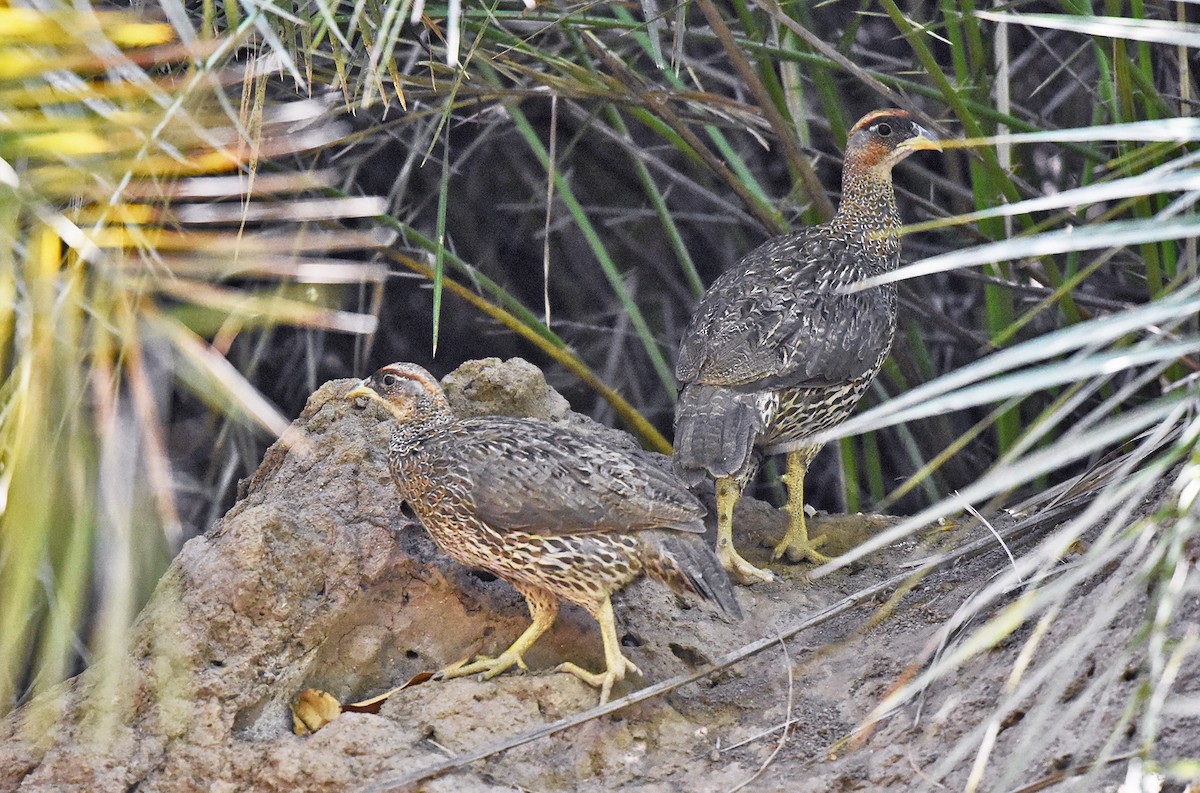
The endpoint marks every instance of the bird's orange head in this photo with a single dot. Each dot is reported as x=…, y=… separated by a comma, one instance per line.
x=405, y=389
x=883, y=138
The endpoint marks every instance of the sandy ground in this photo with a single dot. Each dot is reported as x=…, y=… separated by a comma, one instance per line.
x=316, y=578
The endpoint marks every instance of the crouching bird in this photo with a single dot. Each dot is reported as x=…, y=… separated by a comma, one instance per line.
x=780, y=349
x=559, y=512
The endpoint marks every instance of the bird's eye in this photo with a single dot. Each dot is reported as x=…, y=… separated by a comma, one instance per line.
x=390, y=379
x=884, y=130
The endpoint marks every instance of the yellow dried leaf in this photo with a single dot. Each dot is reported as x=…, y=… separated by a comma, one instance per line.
x=139, y=34
x=312, y=710
x=25, y=25
x=16, y=64
x=29, y=26
x=74, y=143
x=138, y=214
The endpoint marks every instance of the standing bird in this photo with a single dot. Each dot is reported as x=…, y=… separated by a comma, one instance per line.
x=779, y=349
x=558, y=512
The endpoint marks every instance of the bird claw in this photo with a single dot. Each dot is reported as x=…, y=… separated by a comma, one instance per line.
x=801, y=549
x=601, y=680
x=485, y=667
x=740, y=570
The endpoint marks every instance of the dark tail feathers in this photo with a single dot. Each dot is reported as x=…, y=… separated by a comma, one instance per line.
x=685, y=563
x=715, y=429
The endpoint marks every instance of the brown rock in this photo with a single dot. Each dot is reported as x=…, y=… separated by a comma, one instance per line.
x=491, y=387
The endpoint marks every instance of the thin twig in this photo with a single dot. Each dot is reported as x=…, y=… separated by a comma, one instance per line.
x=551, y=166
x=975, y=514
x=756, y=736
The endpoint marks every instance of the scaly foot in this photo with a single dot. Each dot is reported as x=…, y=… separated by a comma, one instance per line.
x=482, y=665
x=601, y=680
x=742, y=571
x=799, y=548
x=795, y=543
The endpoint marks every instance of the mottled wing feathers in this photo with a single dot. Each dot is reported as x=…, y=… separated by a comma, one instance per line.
x=553, y=479
x=781, y=318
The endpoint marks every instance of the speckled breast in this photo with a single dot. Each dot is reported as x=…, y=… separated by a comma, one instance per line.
x=580, y=568
x=796, y=414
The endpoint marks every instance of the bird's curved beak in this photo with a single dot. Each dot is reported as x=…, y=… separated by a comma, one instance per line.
x=363, y=389
x=923, y=141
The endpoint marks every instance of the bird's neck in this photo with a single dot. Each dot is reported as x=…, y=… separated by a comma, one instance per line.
x=428, y=419
x=868, y=203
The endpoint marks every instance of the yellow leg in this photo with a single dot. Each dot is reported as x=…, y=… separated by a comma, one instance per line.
x=616, y=663
x=795, y=542
x=741, y=570
x=543, y=608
